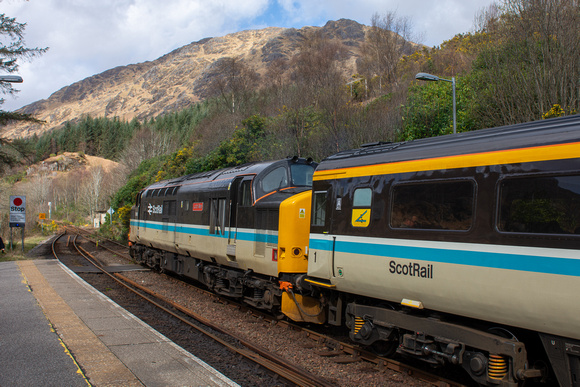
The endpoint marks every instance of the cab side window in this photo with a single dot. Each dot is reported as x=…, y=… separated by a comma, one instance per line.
x=319, y=202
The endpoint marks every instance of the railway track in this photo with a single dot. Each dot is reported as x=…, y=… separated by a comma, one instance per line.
x=323, y=345
x=236, y=344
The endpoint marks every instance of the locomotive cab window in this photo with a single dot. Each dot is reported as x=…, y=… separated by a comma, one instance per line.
x=302, y=174
x=278, y=178
x=445, y=205
x=540, y=205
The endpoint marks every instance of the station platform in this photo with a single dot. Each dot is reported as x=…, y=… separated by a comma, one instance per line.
x=56, y=330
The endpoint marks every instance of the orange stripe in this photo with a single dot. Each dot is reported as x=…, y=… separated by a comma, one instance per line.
x=511, y=156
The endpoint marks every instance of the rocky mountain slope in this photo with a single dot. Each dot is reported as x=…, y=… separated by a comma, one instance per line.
x=177, y=79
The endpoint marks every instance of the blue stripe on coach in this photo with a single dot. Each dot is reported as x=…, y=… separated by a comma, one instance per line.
x=204, y=231
x=530, y=263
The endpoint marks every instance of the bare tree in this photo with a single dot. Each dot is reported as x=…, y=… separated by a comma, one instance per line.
x=388, y=39
x=145, y=144
x=233, y=81
x=321, y=85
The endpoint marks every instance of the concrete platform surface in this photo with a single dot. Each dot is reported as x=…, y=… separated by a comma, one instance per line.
x=56, y=330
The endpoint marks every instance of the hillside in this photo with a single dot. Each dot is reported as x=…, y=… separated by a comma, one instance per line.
x=177, y=79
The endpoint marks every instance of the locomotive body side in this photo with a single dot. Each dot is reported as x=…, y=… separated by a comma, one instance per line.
x=482, y=227
x=221, y=227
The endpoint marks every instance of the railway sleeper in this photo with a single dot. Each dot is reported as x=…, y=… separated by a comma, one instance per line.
x=489, y=359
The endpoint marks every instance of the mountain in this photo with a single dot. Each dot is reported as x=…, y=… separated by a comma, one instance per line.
x=177, y=79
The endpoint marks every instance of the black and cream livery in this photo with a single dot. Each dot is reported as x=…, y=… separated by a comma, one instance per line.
x=469, y=244
x=222, y=228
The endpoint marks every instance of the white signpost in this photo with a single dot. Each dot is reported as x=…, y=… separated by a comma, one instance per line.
x=17, y=215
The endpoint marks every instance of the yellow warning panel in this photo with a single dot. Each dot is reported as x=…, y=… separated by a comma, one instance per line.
x=361, y=217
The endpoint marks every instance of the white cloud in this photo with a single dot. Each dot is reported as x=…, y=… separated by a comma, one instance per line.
x=87, y=37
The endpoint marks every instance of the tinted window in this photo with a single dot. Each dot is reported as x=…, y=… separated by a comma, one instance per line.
x=246, y=193
x=278, y=178
x=543, y=205
x=302, y=174
x=362, y=197
x=435, y=206
x=319, y=208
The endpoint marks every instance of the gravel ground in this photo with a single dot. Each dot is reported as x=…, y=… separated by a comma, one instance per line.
x=276, y=338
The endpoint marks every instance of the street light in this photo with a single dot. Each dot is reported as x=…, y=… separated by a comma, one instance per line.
x=11, y=78
x=429, y=77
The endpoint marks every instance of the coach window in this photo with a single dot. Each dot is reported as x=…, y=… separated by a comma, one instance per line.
x=319, y=208
x=445, y=205
x=540, y=205
x=362, y=197
x=361, y=211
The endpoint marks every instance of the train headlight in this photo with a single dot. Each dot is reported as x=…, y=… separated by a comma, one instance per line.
x=296, y=252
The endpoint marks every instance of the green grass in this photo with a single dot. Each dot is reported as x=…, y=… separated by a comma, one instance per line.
x=16, y=254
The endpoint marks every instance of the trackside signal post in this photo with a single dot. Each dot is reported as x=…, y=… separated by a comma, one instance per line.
x=17, y=216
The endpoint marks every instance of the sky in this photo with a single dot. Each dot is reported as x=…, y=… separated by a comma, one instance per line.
x=87, y=37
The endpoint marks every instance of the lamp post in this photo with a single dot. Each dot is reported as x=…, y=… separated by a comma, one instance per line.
x=429, y=77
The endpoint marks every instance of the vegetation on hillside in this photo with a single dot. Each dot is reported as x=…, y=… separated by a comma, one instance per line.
x=519, y=64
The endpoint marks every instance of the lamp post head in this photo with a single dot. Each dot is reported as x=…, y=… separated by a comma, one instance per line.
x=11, y=78
x=426, y=77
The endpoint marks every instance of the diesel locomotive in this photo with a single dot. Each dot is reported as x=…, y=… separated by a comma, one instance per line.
x=462, y=249
x=241, y=231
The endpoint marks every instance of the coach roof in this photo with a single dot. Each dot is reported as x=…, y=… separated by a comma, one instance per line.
x=526, y=135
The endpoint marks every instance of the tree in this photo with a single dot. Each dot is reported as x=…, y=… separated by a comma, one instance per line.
x=531, y=62
x=12, y=49
x=388, y=39
x=145, y=144
x=320, y=85
x=233, y=82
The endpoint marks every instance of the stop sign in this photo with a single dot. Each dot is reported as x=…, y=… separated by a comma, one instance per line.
x=17, y=211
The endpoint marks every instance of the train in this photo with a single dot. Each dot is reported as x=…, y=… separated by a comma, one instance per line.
x=456, y=250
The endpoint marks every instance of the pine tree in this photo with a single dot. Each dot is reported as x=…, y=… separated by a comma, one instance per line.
x=12, y=49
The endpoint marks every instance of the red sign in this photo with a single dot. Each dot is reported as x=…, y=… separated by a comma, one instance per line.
x=197, y=206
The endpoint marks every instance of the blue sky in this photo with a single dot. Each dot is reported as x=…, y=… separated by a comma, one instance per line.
x=87, y=37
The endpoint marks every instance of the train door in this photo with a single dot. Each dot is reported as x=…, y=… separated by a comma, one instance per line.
x=239, y=194
x=137, y=217
x=322, y=240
